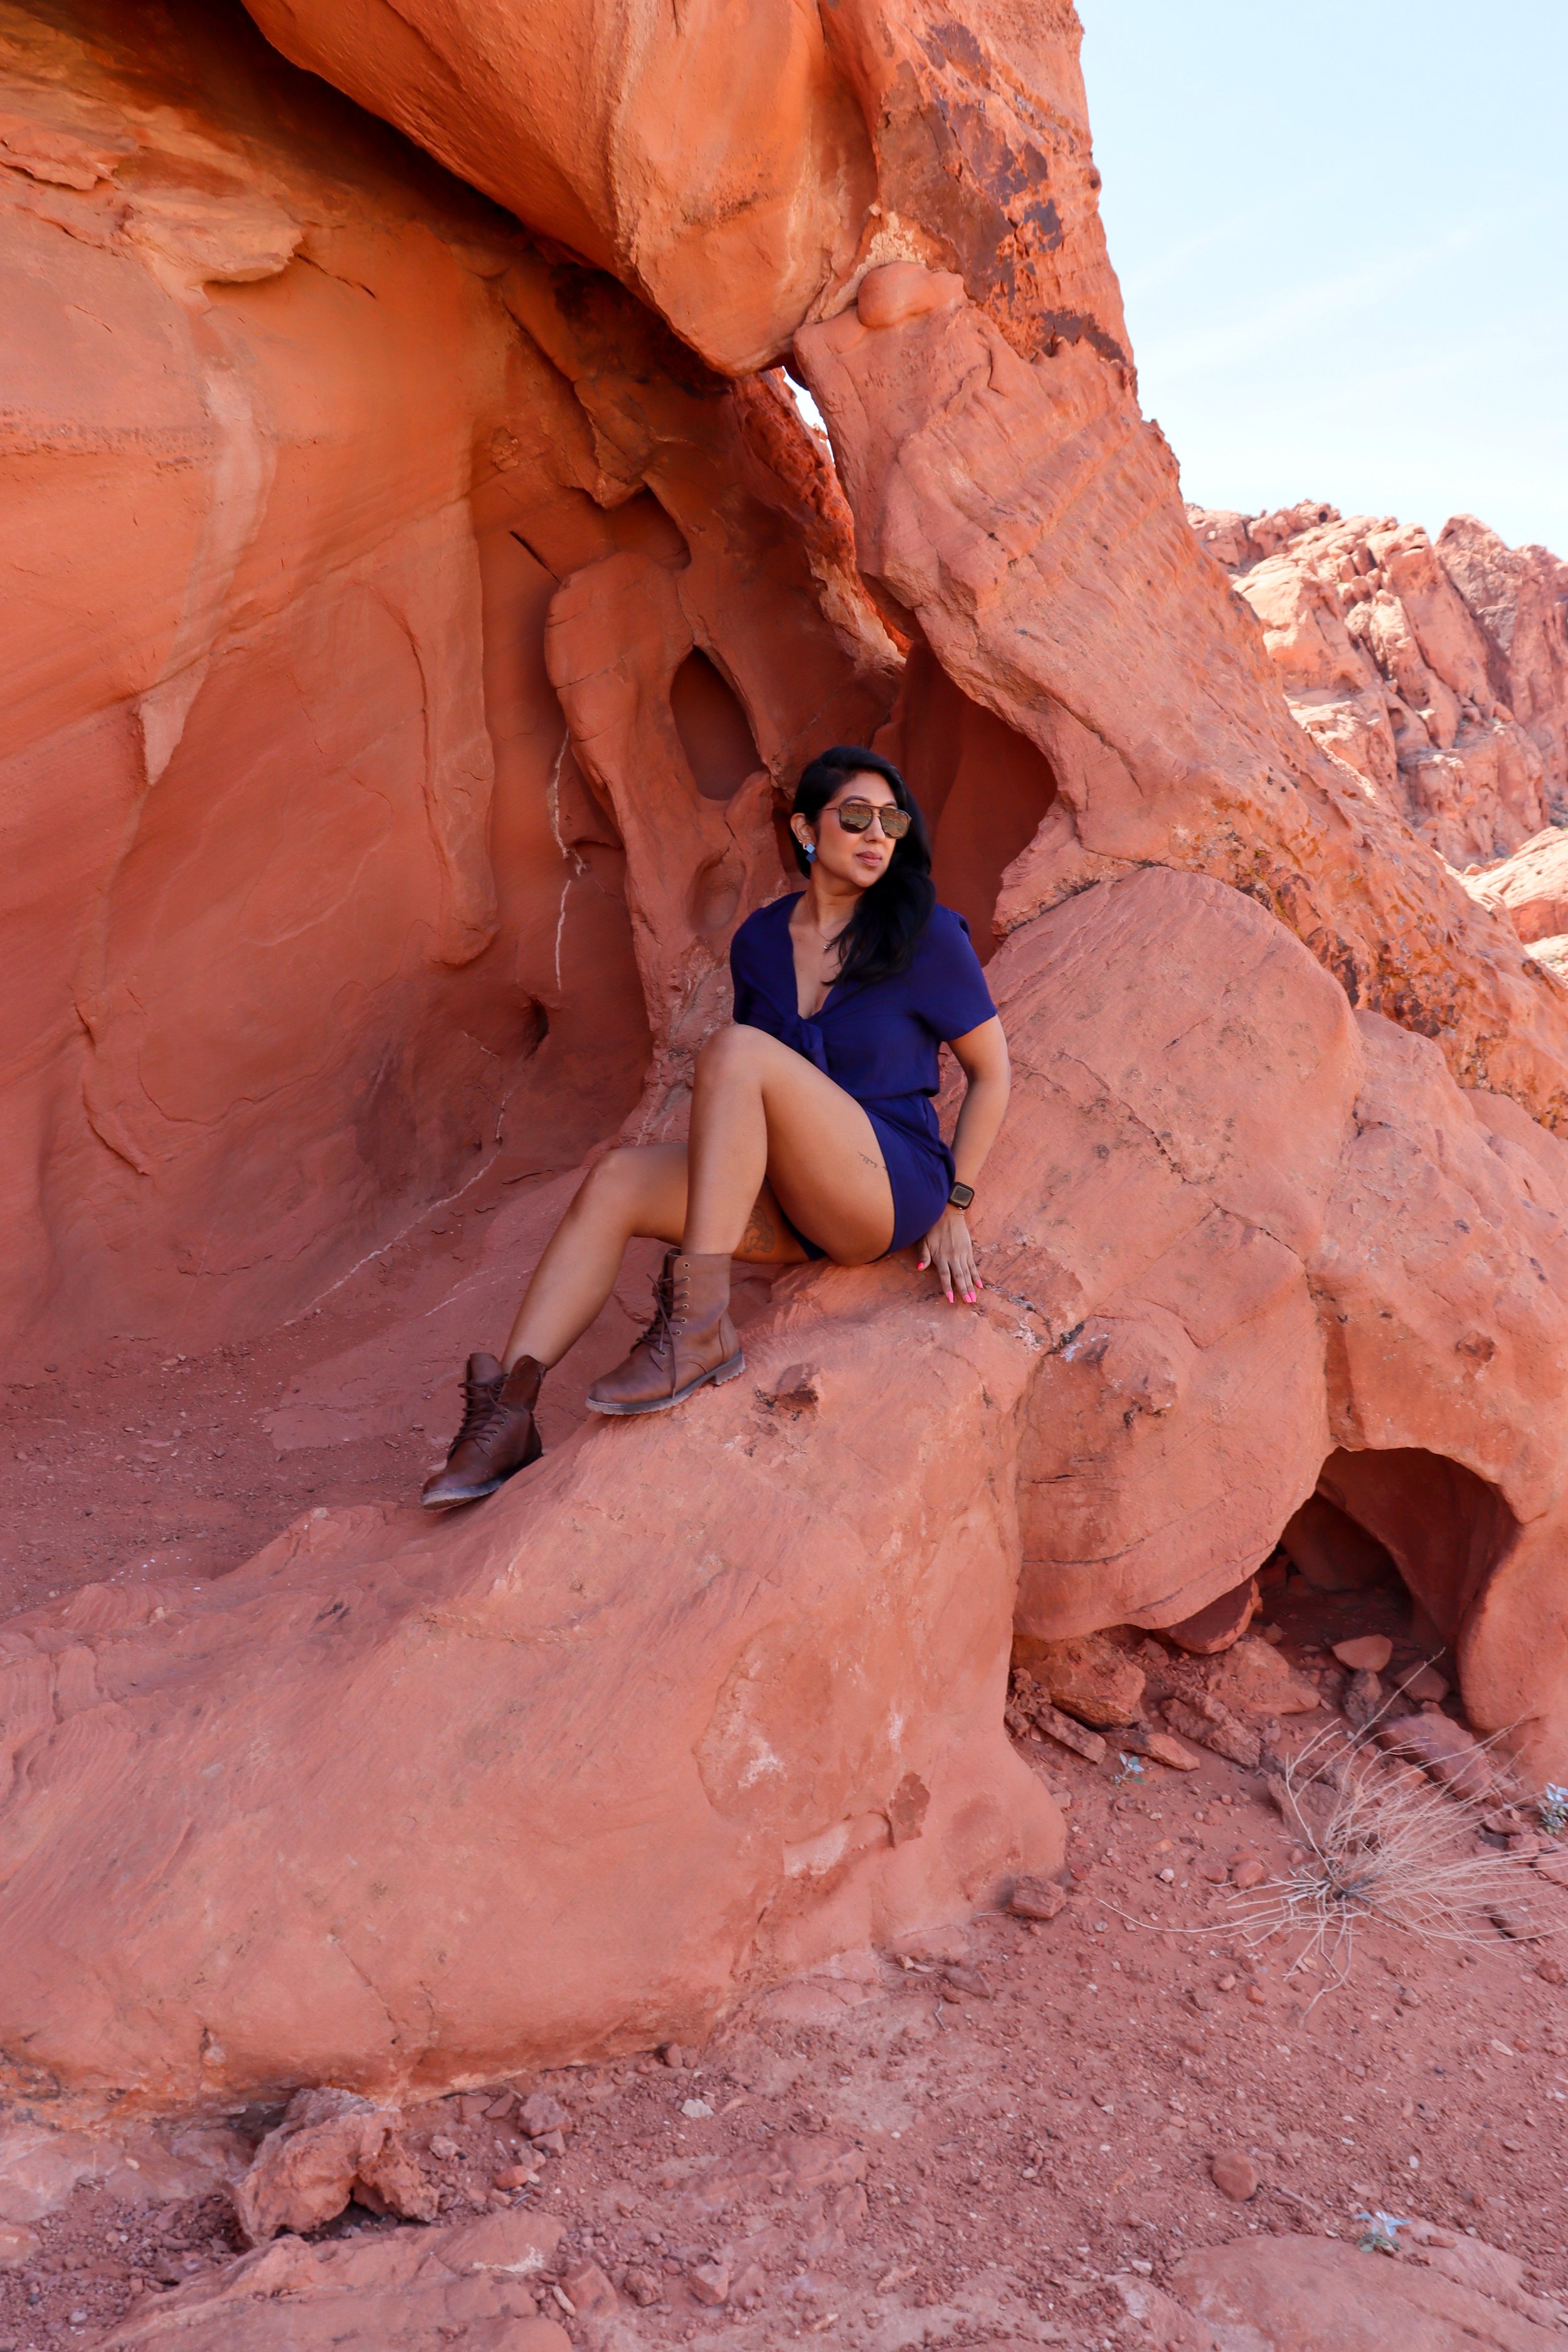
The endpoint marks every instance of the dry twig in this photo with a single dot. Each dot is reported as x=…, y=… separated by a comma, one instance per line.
x=1379, y=1843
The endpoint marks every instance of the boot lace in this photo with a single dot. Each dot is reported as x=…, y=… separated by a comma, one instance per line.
x=482, y=1400
x=657, y=1336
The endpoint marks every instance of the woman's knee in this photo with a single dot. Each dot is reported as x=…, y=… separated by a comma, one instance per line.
x=732, y=1050
x=616, y=1181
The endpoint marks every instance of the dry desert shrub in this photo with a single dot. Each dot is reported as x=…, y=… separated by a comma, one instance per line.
x=1379, y=1843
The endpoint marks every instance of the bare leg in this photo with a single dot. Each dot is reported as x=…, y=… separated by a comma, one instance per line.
x=637, y=1190
x=766, y=1128
x=762, y=1112
x=627, y=1191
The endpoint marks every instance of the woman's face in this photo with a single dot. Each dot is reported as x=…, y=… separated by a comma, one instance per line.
x=856, y=858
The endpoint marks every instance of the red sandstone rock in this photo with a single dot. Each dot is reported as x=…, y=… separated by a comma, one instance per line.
x=1488, y=2269
x=1392, y=656
x=1296, y=2295
x=1167, y=1750
x=1245, y=1245
x=941, y=485
x=304, y=2171
x=1067, y=1732
x=1368, y=1652
x=1235, y=2175
x=1330, y=1551
x=1444, y=1748
x=540, y=2114
x=518, y=2175
x=1025, y=618
x=1209, y=1630
x=751, y=1774
x=1254, y=1678
x=1530, y=888
x=1037, y=1898
x=709, y=2282
x=822, y=125
x=590, y=2293
x=401, y=2293
x=331, y=2146
x=694, y=1845
x=1088, y=1677
x=1518, y=598
x=311, y=894
x=1213, y=1725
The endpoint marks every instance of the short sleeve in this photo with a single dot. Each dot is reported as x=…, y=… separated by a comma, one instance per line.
x=952, y=996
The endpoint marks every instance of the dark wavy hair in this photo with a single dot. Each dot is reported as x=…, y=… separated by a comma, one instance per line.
x=882, y=934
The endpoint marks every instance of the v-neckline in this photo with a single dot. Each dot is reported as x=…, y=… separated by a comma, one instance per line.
x=794, y=977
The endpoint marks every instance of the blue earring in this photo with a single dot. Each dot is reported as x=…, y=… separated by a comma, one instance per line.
x=809, y=850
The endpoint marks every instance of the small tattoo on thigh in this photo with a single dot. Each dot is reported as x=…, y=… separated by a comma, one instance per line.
x=760, y=1235
x=866, y=1156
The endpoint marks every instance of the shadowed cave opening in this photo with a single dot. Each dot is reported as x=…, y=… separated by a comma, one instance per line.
x=983, y=788
x=714, y=732
x=1399, y=1516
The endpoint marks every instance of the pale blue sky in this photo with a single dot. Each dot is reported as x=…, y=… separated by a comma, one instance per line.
x=1341, y=232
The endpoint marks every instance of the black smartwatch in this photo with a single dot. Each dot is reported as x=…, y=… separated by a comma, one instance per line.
x=961, y=1196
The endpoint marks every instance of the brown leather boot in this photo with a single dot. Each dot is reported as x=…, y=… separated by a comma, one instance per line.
x=498, y=1437
x=689, y=1343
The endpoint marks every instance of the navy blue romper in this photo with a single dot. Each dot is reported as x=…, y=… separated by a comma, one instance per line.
x=878, y=1040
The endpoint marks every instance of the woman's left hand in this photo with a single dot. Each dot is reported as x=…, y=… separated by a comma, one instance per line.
x=949, y=1249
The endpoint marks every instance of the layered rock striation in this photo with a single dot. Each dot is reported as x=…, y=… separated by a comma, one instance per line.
x=1438, y=671
x=319, y=473
x=1530, y=890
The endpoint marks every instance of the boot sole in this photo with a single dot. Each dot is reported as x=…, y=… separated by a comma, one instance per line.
x=478, y=1494
x=715, y=1379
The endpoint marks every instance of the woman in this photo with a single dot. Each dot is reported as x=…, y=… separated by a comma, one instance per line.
x=812, y=1133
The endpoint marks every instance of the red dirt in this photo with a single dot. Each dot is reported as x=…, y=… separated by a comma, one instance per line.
x=151, y=1463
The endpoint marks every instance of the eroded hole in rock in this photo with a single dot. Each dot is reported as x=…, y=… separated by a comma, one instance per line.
x=1327, y=1548
x=1445, y=1528
x=714, y=730
x=716, y=894
x=984, y=789
x=1402, y=1542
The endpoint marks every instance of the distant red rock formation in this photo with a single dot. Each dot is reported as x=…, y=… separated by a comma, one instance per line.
x=1530, y=890
x=1439, y=672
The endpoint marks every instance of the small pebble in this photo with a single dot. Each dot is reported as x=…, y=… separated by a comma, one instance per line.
x=1367, y=1653
x=1426, y=1683
x=1235, y=2175
x=709, y=2282
x=1037, y=1898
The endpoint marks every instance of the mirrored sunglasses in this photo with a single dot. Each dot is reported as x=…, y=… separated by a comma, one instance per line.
x=855, y=816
